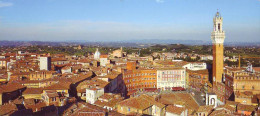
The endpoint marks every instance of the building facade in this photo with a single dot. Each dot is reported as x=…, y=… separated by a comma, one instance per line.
x=171, y=77
x=140, y=78
x=92, y=94
x=45, y=63
x=196, y=66
x=118, y=53
x=104, y=60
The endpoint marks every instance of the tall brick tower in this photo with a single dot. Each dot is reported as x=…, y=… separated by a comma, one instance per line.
x=217, y=37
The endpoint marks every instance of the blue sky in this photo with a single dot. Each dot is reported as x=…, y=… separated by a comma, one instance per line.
x=112, y=20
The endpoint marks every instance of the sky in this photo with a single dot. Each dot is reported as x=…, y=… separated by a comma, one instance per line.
x=119, y=20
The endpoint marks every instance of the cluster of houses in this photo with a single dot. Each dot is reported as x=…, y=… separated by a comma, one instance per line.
x=119, y=84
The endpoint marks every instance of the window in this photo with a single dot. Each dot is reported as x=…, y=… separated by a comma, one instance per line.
x=54, y=99
x=253, y=87
x=243, y=87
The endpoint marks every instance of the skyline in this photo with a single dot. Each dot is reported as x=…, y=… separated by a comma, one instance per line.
x=55, y=20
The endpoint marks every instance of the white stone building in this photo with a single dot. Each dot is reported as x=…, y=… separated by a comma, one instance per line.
x=45, y=63
x=104, y=60
x=97, y=55
x=66, y=69
x=92, y=94
x=171, y=77
x=196, y=66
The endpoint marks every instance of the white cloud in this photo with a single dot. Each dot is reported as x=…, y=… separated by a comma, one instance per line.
x=5, y=4
x=159, y=1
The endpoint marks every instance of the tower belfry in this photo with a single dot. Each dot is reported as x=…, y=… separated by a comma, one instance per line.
x=217, y=37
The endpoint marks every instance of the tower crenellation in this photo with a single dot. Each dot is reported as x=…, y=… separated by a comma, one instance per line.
x=217, y=35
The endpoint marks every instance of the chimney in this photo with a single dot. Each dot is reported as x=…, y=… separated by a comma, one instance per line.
x=8, y=75
x=207, y=99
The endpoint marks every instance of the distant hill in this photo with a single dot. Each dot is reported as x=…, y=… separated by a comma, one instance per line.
x=125, y=43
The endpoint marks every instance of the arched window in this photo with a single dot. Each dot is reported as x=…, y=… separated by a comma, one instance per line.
x=212, y=101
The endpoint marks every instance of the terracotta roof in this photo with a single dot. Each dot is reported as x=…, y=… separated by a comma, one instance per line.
x=170, y=68
x=37, y=106
x=230, y=108
x=52, y=94
x=5, y=59
x=103, y=56
x=33, y=91
x=115, y=113
x=249, y=108
x=205, y=71
x=172, y=63
x=184, y=99
x=66, y=68
x=59, y=86
x=175, y=109
x=94, y=82
x=108, y=99
x=29, y=101
x=58, y=59
x=110, y=76
x=141, y=102
x=257, y=69
x=235, y=68
x=244, y=94
x=205, y=108
x=3, y=76
x=82, y=76
x=233, y=103
x=84, y=109
x=219, y=113
x=7, y=109
x=84, y=60
x=10, y=87
x=256, y=98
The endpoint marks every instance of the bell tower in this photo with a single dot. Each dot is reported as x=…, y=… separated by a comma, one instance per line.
x=217, y=37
